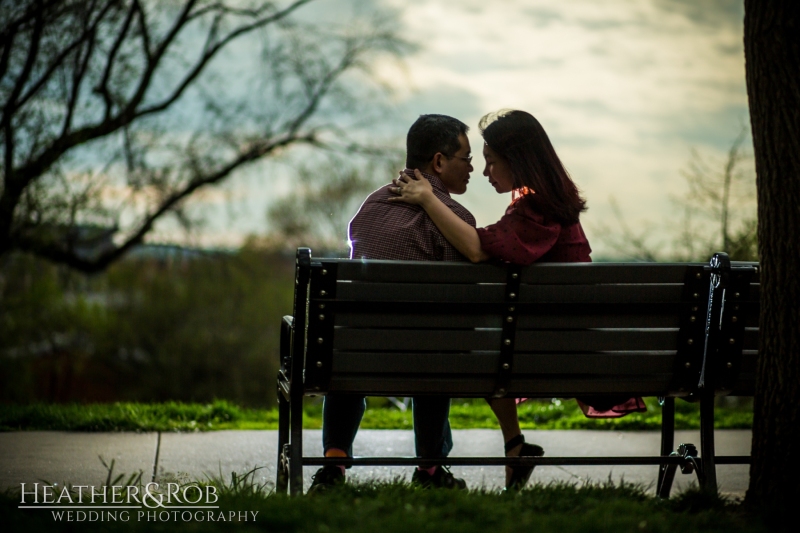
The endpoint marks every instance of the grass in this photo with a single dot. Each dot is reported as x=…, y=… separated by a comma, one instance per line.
x=220, y=415
x=397, y=507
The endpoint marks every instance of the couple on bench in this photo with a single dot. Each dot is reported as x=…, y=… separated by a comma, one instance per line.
x=415, y=219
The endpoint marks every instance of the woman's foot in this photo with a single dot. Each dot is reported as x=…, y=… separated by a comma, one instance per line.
x=517, y=477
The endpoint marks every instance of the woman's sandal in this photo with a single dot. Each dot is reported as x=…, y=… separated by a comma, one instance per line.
x=521, y=474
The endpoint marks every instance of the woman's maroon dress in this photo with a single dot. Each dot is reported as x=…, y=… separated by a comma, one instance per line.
x=524, y=236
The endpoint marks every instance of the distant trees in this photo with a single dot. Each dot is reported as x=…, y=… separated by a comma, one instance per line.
x=725, y=197
x=114, y=112
x=324, y=198
x=717, y=213
x=772, y=59
x=164, y=323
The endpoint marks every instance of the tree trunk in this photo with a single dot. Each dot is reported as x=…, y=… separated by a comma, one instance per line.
x=772, y=54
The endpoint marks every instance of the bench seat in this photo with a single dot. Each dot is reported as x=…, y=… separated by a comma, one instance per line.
x=401, y=328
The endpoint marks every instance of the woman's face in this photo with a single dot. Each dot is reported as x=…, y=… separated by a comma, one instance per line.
x=497, y=171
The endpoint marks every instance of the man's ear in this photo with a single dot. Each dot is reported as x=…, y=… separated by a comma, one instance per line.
x=437, y=163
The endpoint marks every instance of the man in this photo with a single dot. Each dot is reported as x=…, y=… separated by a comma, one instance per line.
x=437, y=145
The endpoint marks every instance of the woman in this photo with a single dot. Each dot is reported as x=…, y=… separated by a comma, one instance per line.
x=541, y=224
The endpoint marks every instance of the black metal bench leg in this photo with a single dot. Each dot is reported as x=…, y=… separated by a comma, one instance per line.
x=666, y=473
x=282, y=482
x=666, y=478
x=708, y=480
x=296, y=443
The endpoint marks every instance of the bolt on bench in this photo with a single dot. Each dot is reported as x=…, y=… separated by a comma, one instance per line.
x=549, y=330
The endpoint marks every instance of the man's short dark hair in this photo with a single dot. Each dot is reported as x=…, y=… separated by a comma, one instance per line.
x=431, y=134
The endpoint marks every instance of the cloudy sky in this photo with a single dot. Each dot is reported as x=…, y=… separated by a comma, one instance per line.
x=624, y=88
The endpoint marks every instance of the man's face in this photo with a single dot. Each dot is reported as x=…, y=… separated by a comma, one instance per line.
x=455, y=169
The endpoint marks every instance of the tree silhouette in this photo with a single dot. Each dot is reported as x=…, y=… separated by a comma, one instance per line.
x=772, y=55
x=140, y=102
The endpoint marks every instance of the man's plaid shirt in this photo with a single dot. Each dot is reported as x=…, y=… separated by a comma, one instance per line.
x=400, y=231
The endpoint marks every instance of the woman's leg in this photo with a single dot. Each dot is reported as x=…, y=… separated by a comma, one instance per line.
x=505, y=409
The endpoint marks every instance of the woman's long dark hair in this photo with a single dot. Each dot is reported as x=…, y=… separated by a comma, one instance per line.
x=520, y=140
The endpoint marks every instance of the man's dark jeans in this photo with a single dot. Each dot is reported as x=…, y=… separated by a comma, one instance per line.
x=341, y=416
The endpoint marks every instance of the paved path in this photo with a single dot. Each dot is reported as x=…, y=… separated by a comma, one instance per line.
x=66, y=457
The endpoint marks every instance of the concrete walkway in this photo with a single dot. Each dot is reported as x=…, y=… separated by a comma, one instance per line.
x=65, y=457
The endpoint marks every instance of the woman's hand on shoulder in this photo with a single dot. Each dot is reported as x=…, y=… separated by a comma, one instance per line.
x=411, y=189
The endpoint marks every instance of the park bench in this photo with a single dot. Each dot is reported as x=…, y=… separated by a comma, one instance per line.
x=549, y=330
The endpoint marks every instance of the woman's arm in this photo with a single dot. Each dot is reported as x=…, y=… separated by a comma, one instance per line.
x=456, y=231
x=464, y=237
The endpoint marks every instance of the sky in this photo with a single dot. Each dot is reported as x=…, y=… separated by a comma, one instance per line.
x=624, y=88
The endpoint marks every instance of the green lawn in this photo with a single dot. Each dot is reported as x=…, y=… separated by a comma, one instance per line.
x=173, y=416
x=399, y=508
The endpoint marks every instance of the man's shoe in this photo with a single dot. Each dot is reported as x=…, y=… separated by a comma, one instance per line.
x=326, y=478
x=442, y=478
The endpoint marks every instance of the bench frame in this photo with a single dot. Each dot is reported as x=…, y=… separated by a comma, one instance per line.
x=726, y=283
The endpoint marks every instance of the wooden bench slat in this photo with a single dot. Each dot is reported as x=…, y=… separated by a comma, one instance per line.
x=571, y=321
x=538, y=309
x=600, y=273
x=542, y=273
x=597, y=364
x=420, y=292
x=745, y=385
x=421, y=363
x=755, y=293
x=750, y=339
x=608, y=294
x=749, y=361
x=565, y=340
x=526, y=340
x=454, y=386
x=495, y=293
x=416, y=340
x=554, y=320
x=631, y=363
x=655, y=385
x=418, y=272
x=417, y=321
x=465, y=385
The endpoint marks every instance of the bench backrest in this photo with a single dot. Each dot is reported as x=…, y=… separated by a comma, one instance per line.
x=403, y=328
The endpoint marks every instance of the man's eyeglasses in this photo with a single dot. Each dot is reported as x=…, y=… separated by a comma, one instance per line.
x=467, y=159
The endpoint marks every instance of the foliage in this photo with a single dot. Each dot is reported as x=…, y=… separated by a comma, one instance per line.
x=398, y=507
x=113, y=113
x=321, y=203
x=218, y=415
x=124, y=416
x=718, y=214
x=170, y=324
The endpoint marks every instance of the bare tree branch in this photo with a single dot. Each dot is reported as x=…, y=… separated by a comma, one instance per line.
x=102, y=88
x=7, y=38
x=223, y=9
x=108, y=69
x=322, y=88
x=65, y=142
x=67, y=255
x=153, y=61
x=59, y=60
x=211, y=52
x=733, y=158
x=129, y=113
x=33, y=51
x=80, y=72
x=145, y=32
x=11, y=28
x=630, y=243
